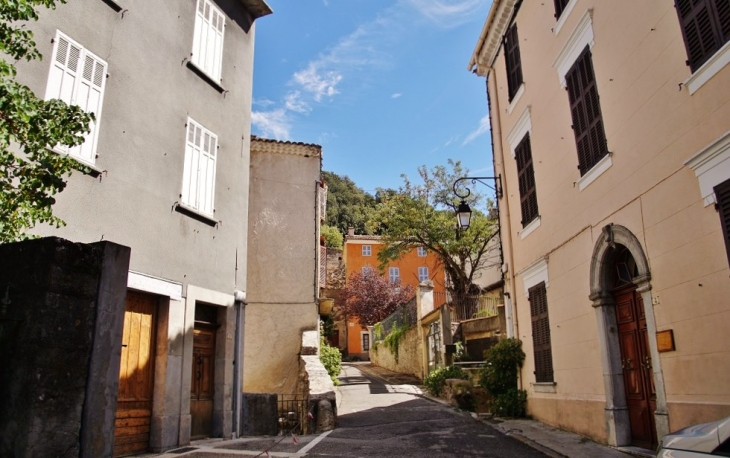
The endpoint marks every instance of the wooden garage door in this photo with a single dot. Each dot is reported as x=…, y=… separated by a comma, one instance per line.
x=136, y=374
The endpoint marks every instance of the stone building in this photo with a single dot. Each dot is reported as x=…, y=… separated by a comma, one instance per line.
x=610, y=127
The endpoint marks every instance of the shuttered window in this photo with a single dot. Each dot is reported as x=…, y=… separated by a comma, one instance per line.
x=526, y=178
x=198, y=189
x=585, y=109
x=78, y=77
x=394, y=274
x=422, y=274
x=210, y=26
x=705, y=27
x=722, y=195
x=514, y=65
x=541, y=333
x=560, y=7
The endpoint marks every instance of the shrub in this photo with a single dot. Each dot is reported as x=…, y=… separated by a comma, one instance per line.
x=331, y=359
x=499, y=377
x=436, y=380
x=393, y=339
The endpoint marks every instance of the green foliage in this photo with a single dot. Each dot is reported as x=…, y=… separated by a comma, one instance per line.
x=461, y=354
x=378, y=331
x=30, y=177
x=347, y=205
x=499, y=377
x=425, y=215
x=393, y=339
x=436, y=380
x=332, y=237
x=331, y=360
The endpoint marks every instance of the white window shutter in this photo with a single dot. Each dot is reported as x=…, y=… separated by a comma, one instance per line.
x=198, y=188
x=208, y=39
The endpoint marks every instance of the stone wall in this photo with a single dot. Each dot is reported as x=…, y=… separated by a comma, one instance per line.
x=61, y=317
x=409, y=355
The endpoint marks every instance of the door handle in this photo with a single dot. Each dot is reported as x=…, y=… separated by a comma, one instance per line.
x=646, y=364
x=626, y=364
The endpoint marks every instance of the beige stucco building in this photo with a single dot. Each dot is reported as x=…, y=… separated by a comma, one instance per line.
x=285, y=212
x=610, y=125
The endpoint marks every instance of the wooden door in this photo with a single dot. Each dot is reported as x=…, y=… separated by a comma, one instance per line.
x=636, y=366
x=136, y=375
x=202, y=383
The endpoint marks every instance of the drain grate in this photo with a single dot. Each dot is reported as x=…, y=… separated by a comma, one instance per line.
x=182, y=450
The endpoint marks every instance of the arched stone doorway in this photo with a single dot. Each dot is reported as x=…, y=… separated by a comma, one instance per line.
x=621, y=284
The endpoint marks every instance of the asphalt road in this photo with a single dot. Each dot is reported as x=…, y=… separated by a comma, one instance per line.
x=382, y=419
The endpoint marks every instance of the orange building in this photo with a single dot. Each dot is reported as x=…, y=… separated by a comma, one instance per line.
x=361, y=252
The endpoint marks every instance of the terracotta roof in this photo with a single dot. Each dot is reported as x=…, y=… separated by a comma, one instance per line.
x=267, y=145
x=363, y=237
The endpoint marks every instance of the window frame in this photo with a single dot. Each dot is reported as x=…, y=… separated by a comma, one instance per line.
x=55, y=88
x=513, y=62
x=690, y=23
x=423, y=274
x=560, y=7
x=422, y=251
x=366, y=250
x=585, y=112
x=722, y=196
x=541, y=339
x=191, y=148
x=394, y=275
x=201, y=49
x=526, y=181
x=365, y=341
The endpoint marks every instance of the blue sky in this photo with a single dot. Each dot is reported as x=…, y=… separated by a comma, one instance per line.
x=382, y=85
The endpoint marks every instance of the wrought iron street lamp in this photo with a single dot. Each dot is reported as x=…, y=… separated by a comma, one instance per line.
x=463, y=213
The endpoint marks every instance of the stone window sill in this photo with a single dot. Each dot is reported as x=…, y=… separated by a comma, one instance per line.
x=544, y=387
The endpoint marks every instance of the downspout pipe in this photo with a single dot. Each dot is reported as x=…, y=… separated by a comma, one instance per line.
x=240, y=304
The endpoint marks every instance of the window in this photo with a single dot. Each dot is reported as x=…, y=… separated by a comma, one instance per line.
x=722, y=194
x=422, y=252
x=365, y=341
x=423, y=274
x=78, y=78
x=705, y=27
x=367, y=270
x=512, y=56
x=394, y=274
x=585, y=110
x=367, y=250
x=198, y=188
x=526, y=178
x=210, y=25
x=560, y=7
x=542, y=348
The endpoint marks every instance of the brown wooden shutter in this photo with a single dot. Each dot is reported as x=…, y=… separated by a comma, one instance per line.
x=541, y=342
x=559, y=7
x=705, y=27
x=526, y=179
x=514, y=65
x=722, y=194
x=585, y=109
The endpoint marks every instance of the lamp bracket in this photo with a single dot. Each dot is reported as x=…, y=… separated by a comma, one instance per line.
x=493, y=183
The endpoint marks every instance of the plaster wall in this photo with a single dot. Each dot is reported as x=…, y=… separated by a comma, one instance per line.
x=653, y=125
x=282, y=263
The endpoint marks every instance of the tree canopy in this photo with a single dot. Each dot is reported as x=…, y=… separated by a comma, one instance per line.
x=424, y=215
x=30, y=173
x=347, y=205
x=371, y=297
x=332, y=237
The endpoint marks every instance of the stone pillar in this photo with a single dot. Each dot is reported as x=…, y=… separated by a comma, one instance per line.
x=616, y=411
x=424, y=302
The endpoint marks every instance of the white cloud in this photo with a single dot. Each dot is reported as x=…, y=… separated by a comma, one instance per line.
x=483, y=127
x=318, y=82
x=396, y=95
x=273, y=123
x=293, y=102
x=449, y=13
x=263, y=102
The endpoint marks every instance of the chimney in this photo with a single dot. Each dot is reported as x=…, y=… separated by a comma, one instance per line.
x=350, y=230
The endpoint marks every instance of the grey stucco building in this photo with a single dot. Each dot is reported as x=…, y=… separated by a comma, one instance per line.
x=170, y=83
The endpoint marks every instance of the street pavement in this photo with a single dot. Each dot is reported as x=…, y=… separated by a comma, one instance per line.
x=383, y=414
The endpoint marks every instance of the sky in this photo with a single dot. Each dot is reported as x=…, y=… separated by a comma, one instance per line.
x=381, y=85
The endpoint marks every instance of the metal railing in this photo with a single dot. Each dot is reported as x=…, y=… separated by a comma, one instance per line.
x=403, y=315
x=292, y=409
x=464, y=307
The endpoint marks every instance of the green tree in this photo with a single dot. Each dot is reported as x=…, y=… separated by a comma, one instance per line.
x=332, y=237
x=425, y=215
x=347, y=205
x=30, y=173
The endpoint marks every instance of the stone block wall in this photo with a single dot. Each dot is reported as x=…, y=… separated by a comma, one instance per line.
x=409, y=355
x=61, y=317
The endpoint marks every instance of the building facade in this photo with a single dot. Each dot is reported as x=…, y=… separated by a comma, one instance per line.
x=610, y=128
x=170, y=85
x=283, y=261
x=360, y=252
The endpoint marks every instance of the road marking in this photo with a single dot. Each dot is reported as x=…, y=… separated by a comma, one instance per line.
x=310, y=446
